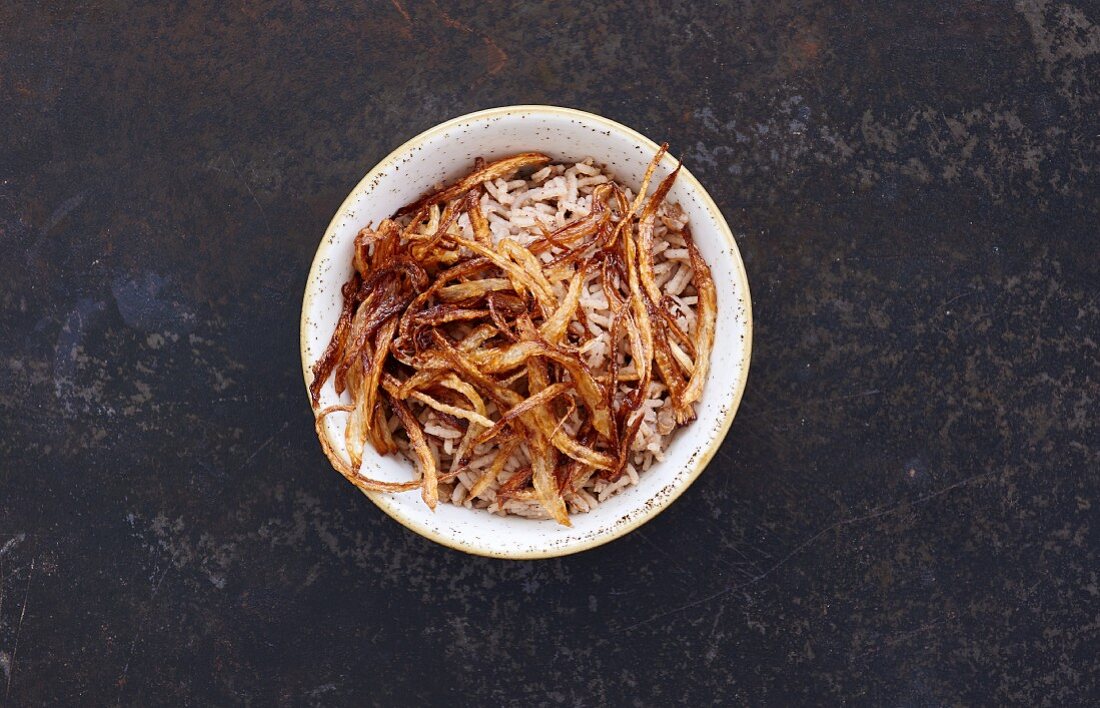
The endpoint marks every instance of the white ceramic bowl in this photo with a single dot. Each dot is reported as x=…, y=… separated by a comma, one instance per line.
x=447, y=151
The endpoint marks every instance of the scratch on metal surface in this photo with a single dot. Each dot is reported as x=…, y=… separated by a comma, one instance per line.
x=137, y=635
x=4, y=666
x=406, y=28
x=12, y=543
x=404, y=13
x=878, y=513
x=900, y=637
x=829, y=399
x=244, y=180
x=264, y=444
x=19, y=629
x=498, y=56
x=676, y=564
x=712, y=639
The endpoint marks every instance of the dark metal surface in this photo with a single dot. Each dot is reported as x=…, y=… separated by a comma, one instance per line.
x=904, y=512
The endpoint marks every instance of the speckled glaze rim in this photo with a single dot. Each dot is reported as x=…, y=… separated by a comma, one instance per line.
x=700, y=460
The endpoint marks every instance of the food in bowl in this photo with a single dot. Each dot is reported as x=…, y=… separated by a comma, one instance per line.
x=531, y=335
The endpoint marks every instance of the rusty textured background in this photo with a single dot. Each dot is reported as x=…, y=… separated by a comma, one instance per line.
x=904, y=513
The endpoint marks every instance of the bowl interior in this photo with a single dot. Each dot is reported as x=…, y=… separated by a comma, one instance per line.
x=447, y=152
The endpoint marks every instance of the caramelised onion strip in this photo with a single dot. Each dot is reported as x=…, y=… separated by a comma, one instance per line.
x=565, y=416
x=706, y=320
x=631, y=412
x=522, y=280
x=578, y=230
x=553, y=329
x=323, y=366
x=494, y=170
x=380, y=436
x=386, y=292
x=420, y=380
x=459, y=386
x=473, y=289
x=542, y=478
x=548, y=236
x=386, y=241
x=644, y=353
x=373, y=247
x=477, y=337
x=633, y=425
x=508, y=358
x=537, y=419
x=388, y=266
x=645, y=237
x=670, y=373
x=499, y=319
x=537, y=376
x=543, y=456
x=641, y=195
x=360, y=258
x=513, y=379
x=573, y=474
x=617, y=316
x=462, y=454
x=472, y=416
x=434, y=367
x=609, y=268
x=424, y=241
x=428, y=218
x=354, y=341
x=673, y=326
x=373, y=375
x=593, y=247
x=465, y=269
x=478, y=222
x=429, y=473
x=513, y=486
x=434, y=215
x=459, y=271
x=464, y=447
x=495, y=468
x=622, y=204
x=561, y=267
x=532, y=266
x=356, y=434
x=364, y=391
x=442, y=314
x=530, y=403
x=392, y=302
x=682, y=358
x=460, y=361
x=352, y=474
x=627, y=218
x=451, y=212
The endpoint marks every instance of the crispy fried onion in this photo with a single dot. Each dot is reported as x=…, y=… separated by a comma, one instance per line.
x=449, y=333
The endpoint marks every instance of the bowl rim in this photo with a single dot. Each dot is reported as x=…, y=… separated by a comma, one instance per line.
x=704, y=456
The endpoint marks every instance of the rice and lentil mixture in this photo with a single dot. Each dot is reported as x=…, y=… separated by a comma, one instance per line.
x=525, y=208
